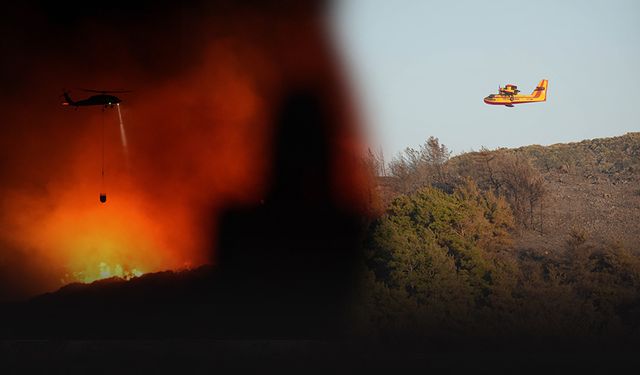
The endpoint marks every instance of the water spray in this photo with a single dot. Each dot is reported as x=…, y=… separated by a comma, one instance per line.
x=125, y=148
x=123, y=136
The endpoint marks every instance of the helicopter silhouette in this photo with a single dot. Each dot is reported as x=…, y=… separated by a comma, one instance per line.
x=106, y=101
x=103, y=98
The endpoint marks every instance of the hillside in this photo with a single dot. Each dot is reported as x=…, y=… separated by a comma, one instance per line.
x=590, y=187
x=593, y=186
x=617, y=158
x=521, y=243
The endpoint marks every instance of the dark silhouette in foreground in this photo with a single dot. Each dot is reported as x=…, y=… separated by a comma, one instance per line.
x=292, y=256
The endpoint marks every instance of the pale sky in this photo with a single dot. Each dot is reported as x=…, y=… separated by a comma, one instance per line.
x=422, y=68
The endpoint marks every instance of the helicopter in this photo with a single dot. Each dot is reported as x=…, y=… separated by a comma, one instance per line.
x=102, y=98
x=510, y=95
x=106, y=101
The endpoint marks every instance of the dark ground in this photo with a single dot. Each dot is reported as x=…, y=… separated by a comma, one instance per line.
x=308, y=356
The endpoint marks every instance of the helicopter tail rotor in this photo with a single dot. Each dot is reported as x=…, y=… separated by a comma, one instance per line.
x=67, y=98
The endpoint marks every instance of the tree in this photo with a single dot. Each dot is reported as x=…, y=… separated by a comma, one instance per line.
x=375, y=163
x=447, y=254
x=414, y=169
x=508, y=174
x=436, y=155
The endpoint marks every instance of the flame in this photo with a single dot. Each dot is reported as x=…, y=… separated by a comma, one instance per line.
x=102, y=271
x=122, y=239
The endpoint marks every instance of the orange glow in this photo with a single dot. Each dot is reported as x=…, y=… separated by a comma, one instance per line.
x=84, y=241
x=195, y=145
x=102, y=271
x=199, y=140
x=104, y=242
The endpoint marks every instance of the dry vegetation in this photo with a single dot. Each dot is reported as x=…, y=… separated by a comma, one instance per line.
x=591, y=186
x=528, y=241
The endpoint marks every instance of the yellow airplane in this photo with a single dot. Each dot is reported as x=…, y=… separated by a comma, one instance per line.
x=509, y=95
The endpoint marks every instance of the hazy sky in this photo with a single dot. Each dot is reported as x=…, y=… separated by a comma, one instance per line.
x=422, y=68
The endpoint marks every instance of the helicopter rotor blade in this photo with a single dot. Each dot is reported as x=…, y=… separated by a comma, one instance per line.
x=106, y=91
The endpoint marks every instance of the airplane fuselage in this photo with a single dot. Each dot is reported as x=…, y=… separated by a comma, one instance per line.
x=497, y=99
x=539, y=94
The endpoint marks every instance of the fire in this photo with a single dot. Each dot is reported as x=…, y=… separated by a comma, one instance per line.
x=79, y=240
x=122, y=239
x=102, y=271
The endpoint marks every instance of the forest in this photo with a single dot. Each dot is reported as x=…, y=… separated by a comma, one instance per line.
x=490, y=244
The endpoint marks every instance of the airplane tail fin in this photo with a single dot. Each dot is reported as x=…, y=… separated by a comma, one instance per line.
x=540, y=92
x=67, y=99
